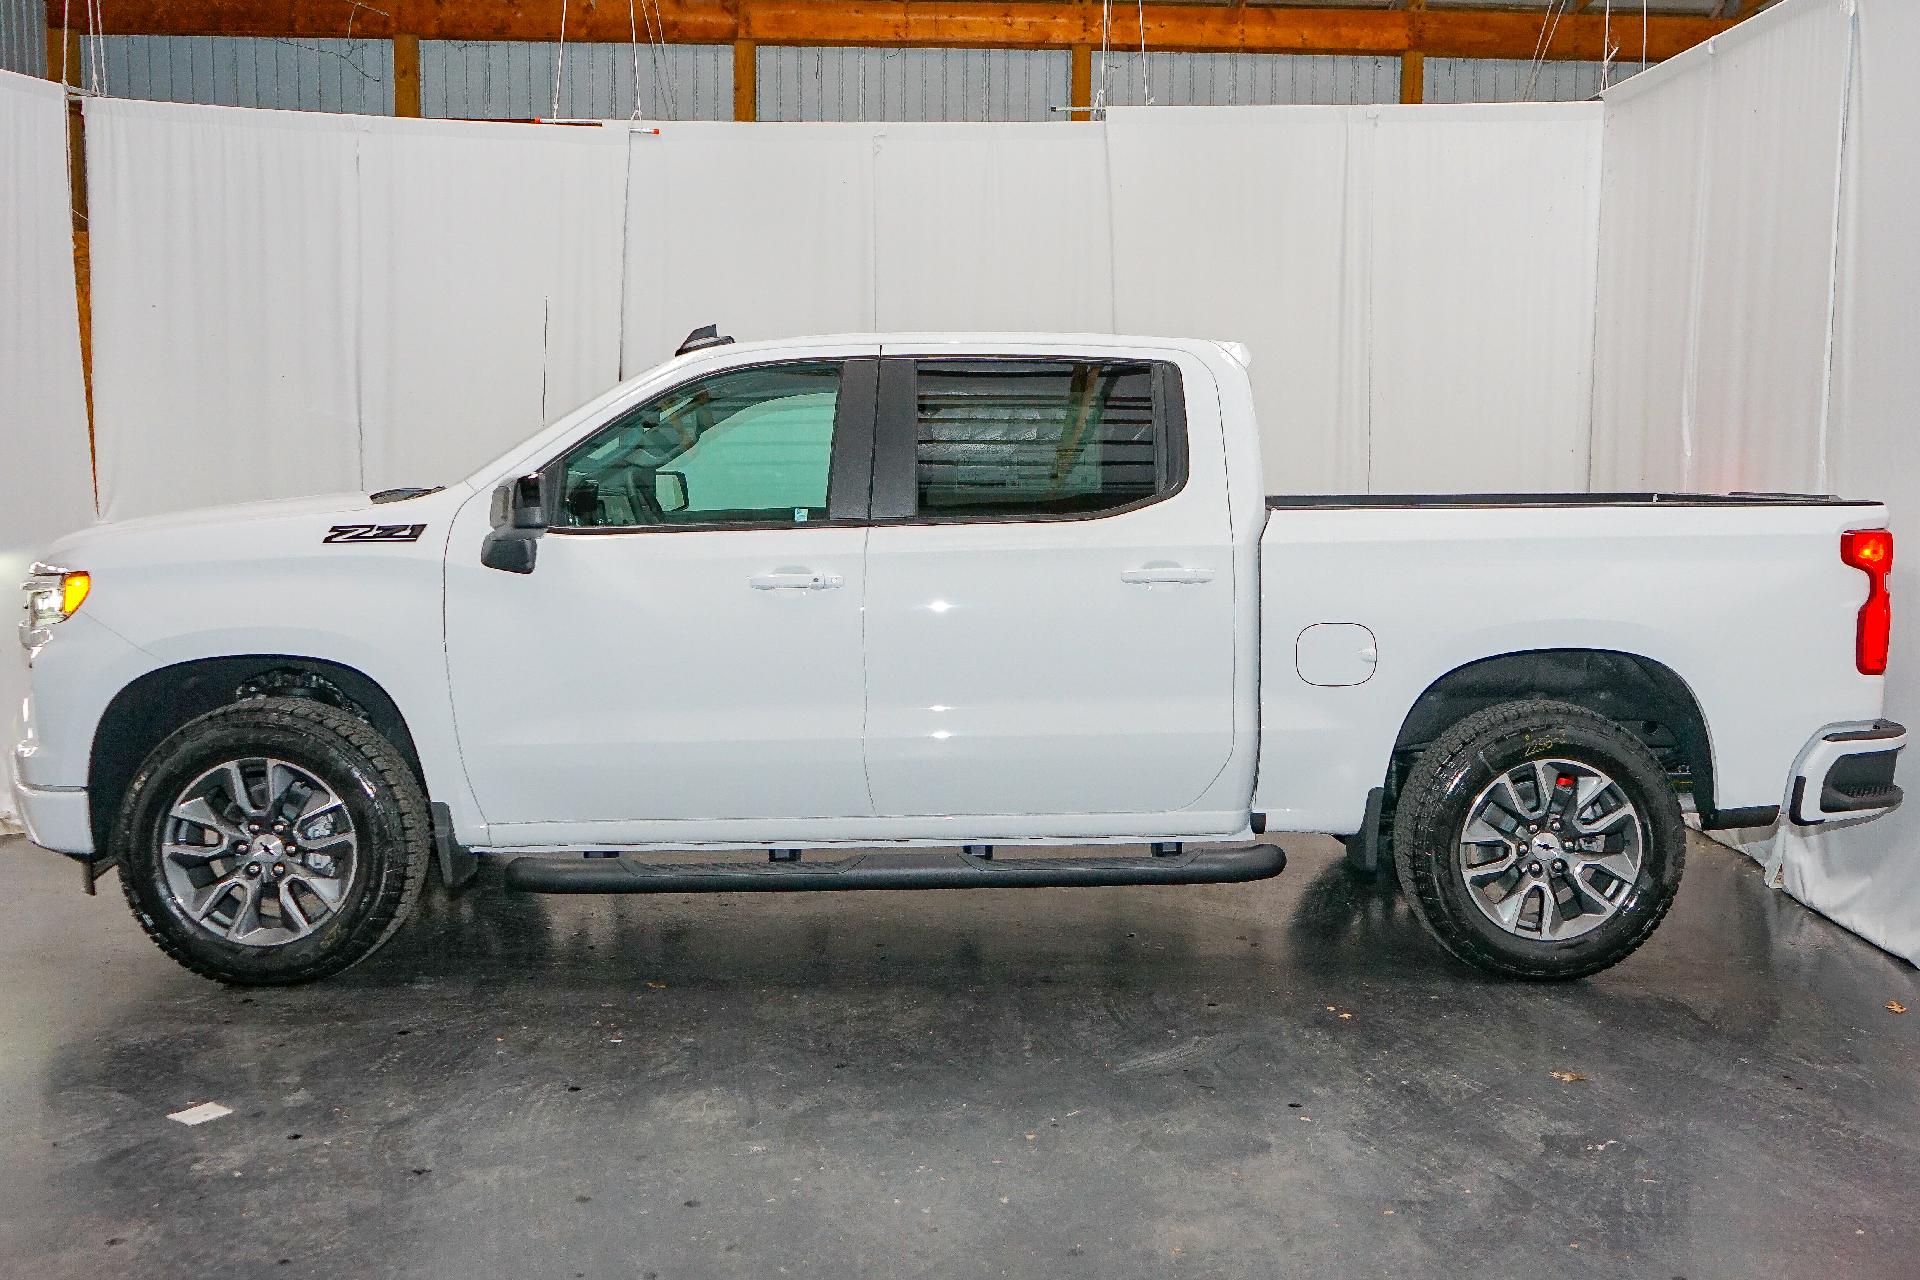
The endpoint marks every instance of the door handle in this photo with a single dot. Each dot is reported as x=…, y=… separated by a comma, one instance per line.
x=1149, y=574
x=795, y=580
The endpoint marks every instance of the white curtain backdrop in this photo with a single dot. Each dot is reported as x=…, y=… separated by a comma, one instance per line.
x=764, y=231
x=1239, y=223
x=292, y=303
x=1717, y=259
x=1416, y=283
x=1868, y=878
x=492, y=296
x=46, y=485
x=1755, y=331
x=289, y=303
x=992, y=227
x=782, y=229
x=1352, y=254
x=225, y=294
x=1481, y=296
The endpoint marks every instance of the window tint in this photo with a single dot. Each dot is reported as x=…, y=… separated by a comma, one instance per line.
x=750, y=446
x=1000, y=438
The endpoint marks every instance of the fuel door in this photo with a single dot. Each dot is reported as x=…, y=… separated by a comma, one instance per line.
x=1335, y=653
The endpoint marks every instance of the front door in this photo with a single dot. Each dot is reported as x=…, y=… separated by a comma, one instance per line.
x=685, y=659
x=1050, y=594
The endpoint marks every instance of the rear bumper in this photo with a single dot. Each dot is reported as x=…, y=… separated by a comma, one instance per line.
x=1846, y=772
x=55, y=819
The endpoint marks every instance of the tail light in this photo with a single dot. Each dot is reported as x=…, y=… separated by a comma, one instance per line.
x=1871, y=552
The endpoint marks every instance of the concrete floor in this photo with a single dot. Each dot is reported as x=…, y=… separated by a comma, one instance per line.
x=1276, y=1079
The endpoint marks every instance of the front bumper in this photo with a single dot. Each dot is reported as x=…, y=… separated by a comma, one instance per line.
x=1847, y=772
x=55, y=819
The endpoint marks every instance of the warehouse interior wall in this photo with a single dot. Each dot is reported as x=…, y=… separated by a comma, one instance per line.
x=1757, y=277
x=46, y=486
x=23, y=37
x=516, y=79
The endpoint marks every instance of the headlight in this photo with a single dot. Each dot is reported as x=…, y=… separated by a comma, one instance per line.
x=53, y=596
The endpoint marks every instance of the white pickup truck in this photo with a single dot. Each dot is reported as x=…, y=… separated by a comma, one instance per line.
x=927, y=597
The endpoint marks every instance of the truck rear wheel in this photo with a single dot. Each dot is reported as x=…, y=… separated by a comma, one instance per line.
x=1537, y=839
x=273, y=841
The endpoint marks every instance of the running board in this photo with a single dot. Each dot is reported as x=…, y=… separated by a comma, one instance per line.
x=893, y=869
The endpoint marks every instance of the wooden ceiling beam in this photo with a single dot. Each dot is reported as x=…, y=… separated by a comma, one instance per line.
x=1026, y=24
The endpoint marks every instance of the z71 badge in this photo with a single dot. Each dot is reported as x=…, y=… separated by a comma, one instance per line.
x=375, y=533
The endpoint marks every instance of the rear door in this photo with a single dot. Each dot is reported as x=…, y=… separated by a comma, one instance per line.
x=1049, y=588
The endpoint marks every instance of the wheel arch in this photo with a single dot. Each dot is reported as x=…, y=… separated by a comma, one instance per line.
x=153, y=706
x=1643, y=695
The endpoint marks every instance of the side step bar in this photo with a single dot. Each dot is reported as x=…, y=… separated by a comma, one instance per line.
x=892, y=869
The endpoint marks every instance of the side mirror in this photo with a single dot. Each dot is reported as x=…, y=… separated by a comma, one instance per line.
x=519, y=515
x=670, y=491
x=521, y=503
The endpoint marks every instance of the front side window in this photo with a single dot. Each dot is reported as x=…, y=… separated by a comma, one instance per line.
x=751, y=446
x=1034, y=438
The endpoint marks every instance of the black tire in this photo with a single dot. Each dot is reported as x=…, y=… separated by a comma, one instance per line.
x=373, y=781
x=1434, y=805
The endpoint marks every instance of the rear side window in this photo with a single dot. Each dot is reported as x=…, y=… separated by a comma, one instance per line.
x=1014, y=439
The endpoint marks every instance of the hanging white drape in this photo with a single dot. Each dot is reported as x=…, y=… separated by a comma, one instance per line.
x=1716, y=259
x=1416, y=284
x=225, y=299
x=289, y=303
x=776, y=230
x=1233, y=223
x=1351, y=248
x=1755, y=331
x=1868, y=878
x=46, y=486
x=761, y=231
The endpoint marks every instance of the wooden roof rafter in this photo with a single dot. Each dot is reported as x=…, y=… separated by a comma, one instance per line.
x=1030, y=24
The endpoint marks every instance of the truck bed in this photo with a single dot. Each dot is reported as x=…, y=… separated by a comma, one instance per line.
x=1368, y=600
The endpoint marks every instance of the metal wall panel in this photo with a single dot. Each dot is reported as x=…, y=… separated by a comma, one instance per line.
x=1506, y=80
x=911, y=84
x=299, y=75
x=23, y=36
x=513, y=80
x=1245, y=79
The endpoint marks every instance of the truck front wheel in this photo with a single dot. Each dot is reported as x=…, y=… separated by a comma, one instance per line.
x=272, y=841
x=1537, y=839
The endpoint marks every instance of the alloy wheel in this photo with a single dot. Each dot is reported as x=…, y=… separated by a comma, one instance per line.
x=1551, y=850
x=258, y=851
